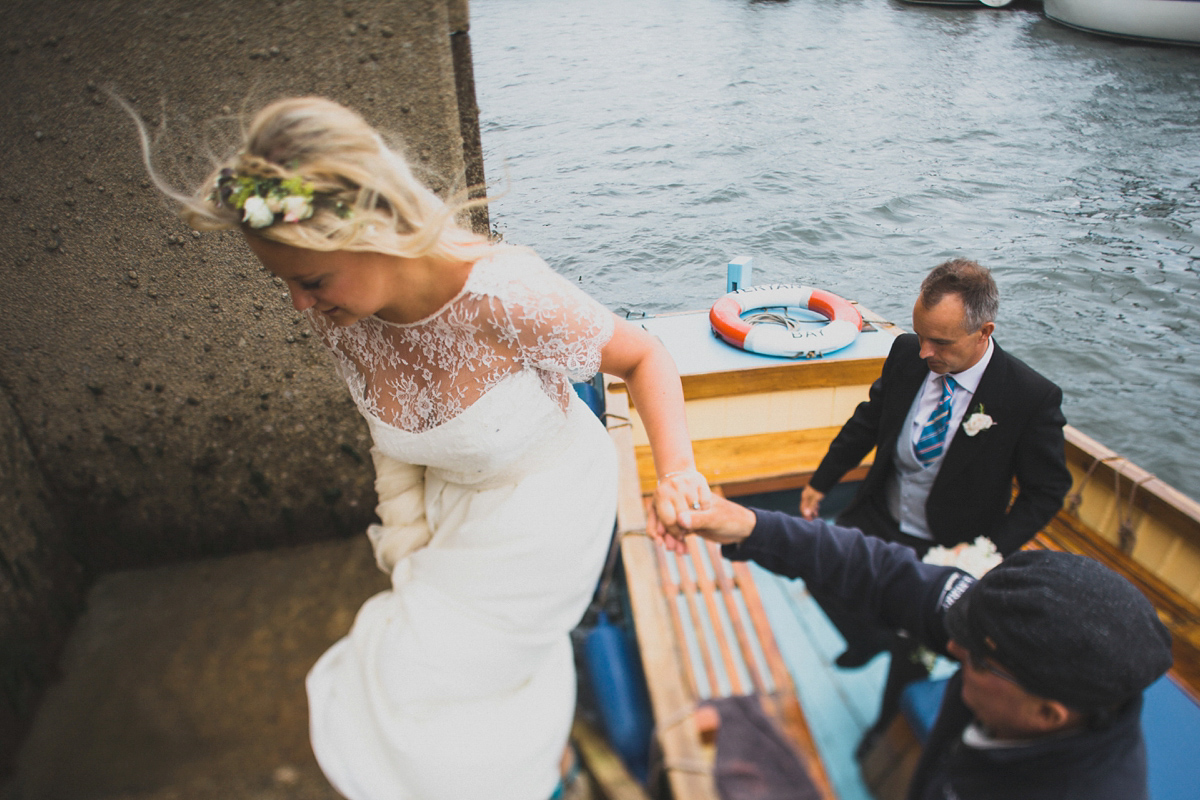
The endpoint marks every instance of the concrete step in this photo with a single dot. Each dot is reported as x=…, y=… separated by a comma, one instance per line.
x=186, y=682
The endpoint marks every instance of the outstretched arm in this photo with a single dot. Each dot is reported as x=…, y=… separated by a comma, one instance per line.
x=648, y=370
x=881, y=579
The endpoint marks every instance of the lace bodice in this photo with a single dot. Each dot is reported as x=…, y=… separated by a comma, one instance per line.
x=513, y=315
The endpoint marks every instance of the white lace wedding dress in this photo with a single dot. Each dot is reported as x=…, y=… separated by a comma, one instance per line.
x=498, y=494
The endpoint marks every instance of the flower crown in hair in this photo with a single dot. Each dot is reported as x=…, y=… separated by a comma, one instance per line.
x=265, y=201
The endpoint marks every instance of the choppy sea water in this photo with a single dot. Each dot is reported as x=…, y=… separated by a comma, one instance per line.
x=854, y=144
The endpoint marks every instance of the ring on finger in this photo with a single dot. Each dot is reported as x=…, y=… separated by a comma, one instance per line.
x=696, y=506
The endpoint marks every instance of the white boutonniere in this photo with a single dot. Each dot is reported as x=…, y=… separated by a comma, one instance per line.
x=977, y=422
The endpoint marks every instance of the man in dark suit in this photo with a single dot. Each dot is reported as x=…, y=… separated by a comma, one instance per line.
x=954, y=419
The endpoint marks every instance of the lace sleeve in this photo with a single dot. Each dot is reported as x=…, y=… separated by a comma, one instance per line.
x=554, y=326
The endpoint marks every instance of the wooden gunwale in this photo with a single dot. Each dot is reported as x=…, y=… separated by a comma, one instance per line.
x=1152, y=496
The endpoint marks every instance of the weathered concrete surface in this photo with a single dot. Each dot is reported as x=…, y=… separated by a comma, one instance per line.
x=159, y=399
x=166, y=387
x=186, y=682
x=41, y=583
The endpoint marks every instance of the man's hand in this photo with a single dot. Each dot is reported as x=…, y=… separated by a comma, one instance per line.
x=680, y=493
x=722, y=522
x=810, y=502
x=670, y=539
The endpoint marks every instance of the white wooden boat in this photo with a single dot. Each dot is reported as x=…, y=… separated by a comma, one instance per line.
x=1171, y=21
x=762, y=424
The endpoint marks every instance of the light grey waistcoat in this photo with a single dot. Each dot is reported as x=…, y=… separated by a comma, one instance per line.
x=909, y=485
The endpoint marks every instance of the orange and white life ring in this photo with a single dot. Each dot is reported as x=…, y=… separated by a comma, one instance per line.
x=771, y=339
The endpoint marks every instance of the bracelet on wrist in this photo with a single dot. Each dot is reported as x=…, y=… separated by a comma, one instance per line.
x=670, y=475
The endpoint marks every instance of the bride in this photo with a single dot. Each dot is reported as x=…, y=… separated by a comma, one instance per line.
x=497, y=485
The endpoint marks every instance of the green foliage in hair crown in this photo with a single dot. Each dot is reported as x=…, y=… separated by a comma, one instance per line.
x=265, y=201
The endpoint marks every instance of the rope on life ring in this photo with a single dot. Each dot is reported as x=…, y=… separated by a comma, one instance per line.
x=773, y=334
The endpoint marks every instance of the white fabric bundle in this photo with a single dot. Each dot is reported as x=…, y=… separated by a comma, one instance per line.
x=401, y=510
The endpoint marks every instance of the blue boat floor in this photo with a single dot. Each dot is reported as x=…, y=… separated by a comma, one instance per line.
x=839, y=704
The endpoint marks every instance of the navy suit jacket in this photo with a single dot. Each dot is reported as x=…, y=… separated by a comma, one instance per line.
x=970, y=496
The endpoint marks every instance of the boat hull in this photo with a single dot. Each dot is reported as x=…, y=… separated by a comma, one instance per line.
x=1170, y=21
x=960, y=3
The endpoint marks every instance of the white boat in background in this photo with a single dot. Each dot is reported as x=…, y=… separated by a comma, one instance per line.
x=975, y=3
x=1170, y=21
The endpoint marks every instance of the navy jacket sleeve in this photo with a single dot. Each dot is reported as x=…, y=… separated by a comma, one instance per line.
x=881, y=579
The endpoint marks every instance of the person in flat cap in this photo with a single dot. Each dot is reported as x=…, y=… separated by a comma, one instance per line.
x=1055, y=652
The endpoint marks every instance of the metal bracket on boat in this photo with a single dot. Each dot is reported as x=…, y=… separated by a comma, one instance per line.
x=1075, y=498
x=1126, y=536
x=872, y=325
x=624, y=421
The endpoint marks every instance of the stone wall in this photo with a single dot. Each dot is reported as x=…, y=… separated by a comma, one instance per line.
x=41, y=582
x=159, y=397
x=167, y=388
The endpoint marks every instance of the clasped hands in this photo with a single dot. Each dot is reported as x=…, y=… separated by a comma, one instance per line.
x=683, y=504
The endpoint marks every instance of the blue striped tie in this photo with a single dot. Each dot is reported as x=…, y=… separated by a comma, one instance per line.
x=933, y=435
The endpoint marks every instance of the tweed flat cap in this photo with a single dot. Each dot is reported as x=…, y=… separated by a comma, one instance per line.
x=1066, y=627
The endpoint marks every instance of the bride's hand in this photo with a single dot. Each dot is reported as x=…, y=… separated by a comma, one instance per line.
x=676, y=496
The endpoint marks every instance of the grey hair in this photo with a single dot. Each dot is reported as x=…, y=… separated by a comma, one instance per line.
x=973, y=284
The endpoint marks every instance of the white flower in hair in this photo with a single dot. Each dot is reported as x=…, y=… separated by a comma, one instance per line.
x=262, y=200
x=296, y=207
x=257, y=213
x=976, y=558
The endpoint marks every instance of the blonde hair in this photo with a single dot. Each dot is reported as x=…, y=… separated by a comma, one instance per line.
x=345, y=159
